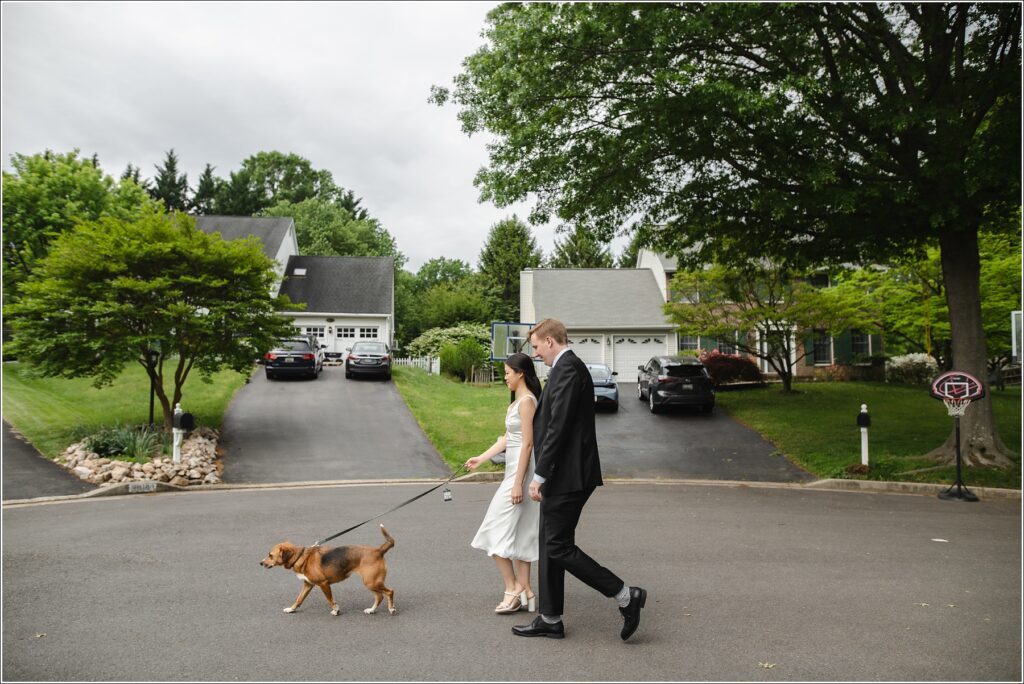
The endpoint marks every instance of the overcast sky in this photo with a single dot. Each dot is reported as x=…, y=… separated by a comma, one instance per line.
x=344, y=85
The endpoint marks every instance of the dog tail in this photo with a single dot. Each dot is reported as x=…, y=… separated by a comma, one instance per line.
x=388, y=544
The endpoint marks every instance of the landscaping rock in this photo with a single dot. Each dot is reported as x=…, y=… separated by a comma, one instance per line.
x=200, y=464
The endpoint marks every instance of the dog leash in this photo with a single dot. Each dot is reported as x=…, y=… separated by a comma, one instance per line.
x=447, y=497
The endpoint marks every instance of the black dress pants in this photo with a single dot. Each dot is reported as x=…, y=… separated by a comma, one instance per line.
x=559, y=514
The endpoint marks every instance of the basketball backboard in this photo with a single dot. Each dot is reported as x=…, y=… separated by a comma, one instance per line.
x=957, y=385
x=509, y=338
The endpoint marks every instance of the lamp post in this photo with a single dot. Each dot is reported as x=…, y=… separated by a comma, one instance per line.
x=151, y=357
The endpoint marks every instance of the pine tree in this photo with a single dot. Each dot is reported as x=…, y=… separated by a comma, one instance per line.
x=168, y=187
x=205, y=196
x=580, y=249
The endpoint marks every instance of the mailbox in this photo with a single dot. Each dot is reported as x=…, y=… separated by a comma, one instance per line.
x=184, y=421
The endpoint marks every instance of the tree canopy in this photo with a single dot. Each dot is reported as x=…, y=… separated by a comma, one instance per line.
x=509, y=249
x=580, y=249
x=169, y=186
x=112, y=291
x=813, y=133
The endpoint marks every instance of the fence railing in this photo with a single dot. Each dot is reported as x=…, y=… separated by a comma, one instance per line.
x=430, y=364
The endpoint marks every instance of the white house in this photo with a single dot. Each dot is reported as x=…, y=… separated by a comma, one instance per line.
x=614, y=316
x=346, y=298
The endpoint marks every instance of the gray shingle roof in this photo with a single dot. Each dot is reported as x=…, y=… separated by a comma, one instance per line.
x=332, y=284
x=598, y=297
x=269, y=230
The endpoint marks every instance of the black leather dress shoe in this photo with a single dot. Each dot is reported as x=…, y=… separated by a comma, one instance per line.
x=631, y=613
x=539, y=628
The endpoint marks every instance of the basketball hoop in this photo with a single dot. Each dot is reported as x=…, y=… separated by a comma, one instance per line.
x=957, y=390
x=956, y=406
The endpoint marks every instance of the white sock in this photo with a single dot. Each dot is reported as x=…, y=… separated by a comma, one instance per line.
x=623, y=596
x=552, y=619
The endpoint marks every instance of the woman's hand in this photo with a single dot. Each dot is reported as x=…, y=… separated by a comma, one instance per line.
x=475, y=462
x=517, y=494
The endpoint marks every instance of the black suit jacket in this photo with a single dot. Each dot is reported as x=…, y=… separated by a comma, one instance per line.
x=564, y=437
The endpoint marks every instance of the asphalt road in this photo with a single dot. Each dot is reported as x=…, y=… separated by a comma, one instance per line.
x=684, y=443
x=746, y=583
x=300, y=430
x=28, y=474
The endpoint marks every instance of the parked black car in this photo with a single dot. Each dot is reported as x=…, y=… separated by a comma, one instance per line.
x=368, y=358
x=606, y=390
x=675, y=381
x=294, y=356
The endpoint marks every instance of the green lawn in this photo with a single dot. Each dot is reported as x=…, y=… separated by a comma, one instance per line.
x=54, y=412
x=816, y=427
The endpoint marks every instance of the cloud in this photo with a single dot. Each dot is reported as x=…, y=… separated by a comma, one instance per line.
x=343, y=84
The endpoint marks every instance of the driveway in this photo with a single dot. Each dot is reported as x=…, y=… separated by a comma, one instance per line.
x=299, y=430
x=686, y=444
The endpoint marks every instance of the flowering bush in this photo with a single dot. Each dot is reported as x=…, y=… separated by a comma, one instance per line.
x=724, y=368
x=911, y=369
x=432, y=341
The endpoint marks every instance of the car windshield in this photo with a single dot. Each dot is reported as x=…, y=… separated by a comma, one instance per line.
x=294, y=345
x=687, y=371
x=600, y=374
x=369, y=348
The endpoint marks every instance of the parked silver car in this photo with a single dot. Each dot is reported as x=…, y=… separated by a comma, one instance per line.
x=606, y=390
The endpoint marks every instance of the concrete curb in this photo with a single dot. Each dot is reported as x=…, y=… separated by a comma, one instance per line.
x=834, y=485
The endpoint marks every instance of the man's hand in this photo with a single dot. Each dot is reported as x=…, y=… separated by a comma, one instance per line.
x=535, y=491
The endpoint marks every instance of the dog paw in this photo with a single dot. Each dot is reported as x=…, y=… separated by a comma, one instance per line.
x=370, y=611
x=336, y=611
x=392, y=610
x=289, y=609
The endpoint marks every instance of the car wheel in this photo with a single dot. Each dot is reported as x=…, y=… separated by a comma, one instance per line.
x=270, y=376
x=707, y=408
x=650, y=402
x=615, y=407
x=639, y=391
x=348, y=376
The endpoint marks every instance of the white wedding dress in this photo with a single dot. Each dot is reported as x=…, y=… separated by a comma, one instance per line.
x=511, y=530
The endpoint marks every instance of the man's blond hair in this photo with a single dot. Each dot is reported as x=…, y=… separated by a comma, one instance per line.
x=550, y=327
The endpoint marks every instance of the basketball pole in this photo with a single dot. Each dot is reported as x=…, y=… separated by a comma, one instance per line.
x=961, y=493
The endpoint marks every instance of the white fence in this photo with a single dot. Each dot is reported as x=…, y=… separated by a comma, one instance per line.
x=431, y=364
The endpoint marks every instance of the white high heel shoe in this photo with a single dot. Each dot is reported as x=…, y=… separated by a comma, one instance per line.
x=528, y=602
x=509, y=605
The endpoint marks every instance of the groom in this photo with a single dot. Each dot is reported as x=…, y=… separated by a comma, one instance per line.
x=567, y=471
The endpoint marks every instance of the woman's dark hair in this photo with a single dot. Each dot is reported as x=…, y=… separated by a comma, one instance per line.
x=524, y=364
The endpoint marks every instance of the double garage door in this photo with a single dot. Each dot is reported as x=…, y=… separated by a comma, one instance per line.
x=623, y=352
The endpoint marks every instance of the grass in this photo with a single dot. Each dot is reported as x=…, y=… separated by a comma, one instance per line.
x=816, y=427
x=54, y=412
x=461, y=420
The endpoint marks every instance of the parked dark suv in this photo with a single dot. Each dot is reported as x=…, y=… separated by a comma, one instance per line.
x=294, y=356
x=368, y=358
x=675, y=381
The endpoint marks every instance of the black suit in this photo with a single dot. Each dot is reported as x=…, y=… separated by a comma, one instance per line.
x=565, y=449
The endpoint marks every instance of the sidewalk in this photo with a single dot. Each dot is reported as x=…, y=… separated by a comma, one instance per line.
x=746, y=583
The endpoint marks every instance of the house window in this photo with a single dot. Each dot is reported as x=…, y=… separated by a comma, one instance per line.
x=689, y=343
x=819, y=280
x=727, y=347
x=860, y=343
x=316, y=330
x=368, y=333
x=822, y=349
x=346, y=332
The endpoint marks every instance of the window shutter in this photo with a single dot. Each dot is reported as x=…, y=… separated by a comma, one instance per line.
x=843, y=346
x=809, y=349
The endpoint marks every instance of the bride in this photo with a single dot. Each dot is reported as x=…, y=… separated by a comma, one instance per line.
x=509, y=531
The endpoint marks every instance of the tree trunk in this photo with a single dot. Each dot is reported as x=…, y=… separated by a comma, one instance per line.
x=961, y=270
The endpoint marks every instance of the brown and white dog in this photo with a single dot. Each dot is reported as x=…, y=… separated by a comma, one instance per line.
x=322, y=567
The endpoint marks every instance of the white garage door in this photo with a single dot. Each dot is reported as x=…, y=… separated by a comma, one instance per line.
x=588, y=347
x=632, y=350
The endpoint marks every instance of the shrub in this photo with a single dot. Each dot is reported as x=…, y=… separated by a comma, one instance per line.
x=724, y=368
x=434, y=340
x=126, y=442
x=911, y=369
x=460, y=359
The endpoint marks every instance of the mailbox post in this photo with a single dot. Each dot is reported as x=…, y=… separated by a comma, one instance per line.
x=183, y=422
x=864, y=422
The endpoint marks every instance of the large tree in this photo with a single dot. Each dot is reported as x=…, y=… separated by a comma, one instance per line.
x=169, y=186
x=580, y=249
x=323, y=228
x=154, y=291
x=45, y=196
x=509, y=249
x=269, y=178
x=808, y=132
x=205, y=196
